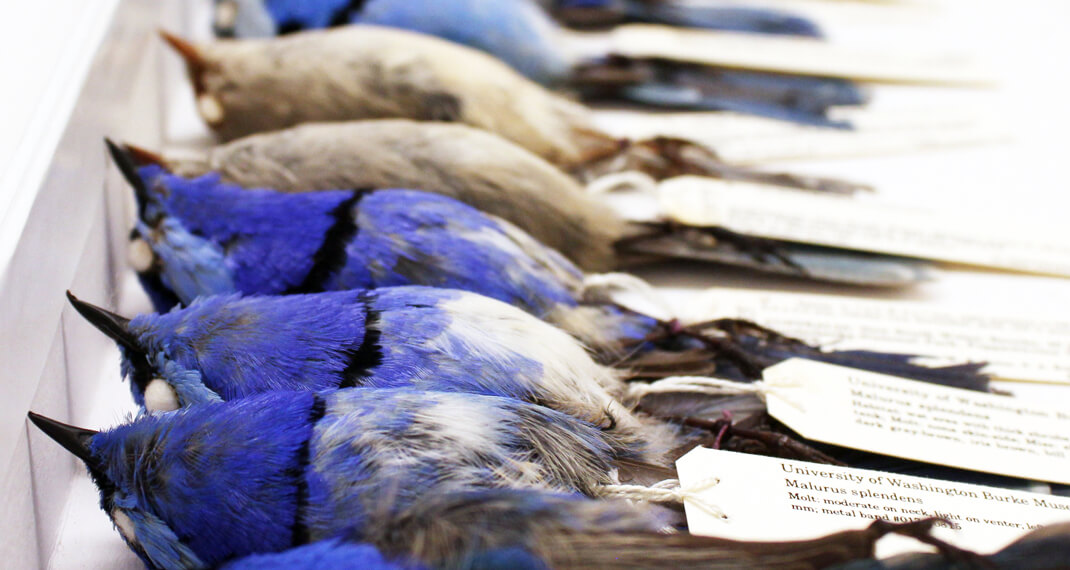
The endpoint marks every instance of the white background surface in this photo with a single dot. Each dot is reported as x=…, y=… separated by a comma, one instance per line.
x=1025, y=41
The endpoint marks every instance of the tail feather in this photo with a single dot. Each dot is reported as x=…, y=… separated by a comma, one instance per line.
x=553, y=438
x=728, y=18
x=775, y=257
x=666, y=157
x=741, y=350
x=465, y=530
x=676, y=13
x=689, y=98
x=644, y=550
x=675, y=85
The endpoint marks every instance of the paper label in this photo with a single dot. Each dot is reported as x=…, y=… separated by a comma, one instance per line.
x=766, y=498
x=921, y=421
x=1015, y=348
x=803, y=56
x=865, y=225
x=743, y=139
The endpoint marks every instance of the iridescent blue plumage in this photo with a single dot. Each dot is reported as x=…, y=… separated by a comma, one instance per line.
x=250, y=452
x=225, y=348
x=449, y=482
x=265, y=473
x=276, y=243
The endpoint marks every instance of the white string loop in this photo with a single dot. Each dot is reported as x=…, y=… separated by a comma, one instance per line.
x=668, y=491
x=714, y=387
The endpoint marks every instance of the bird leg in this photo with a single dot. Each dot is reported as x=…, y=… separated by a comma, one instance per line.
x=739, y=327
x=772, y=443
x=759, y=249
x=921, y=530
x=719, y=346
x=666, y=157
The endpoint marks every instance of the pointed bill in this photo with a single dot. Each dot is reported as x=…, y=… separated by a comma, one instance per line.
x=109, y=323
x=128, y=167
x=73, y=439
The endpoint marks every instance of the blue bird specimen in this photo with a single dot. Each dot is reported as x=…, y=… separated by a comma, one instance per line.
x=435, y=480
x=202, y=485
x=225, y=348
x=465, y=530
x=522, y=35
x=499, y=178
x=204, y=237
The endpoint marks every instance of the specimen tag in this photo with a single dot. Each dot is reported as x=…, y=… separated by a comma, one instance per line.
x=920, y=421
x=764, y=498
x=746, y=139
x=1016, y=348
x=802, y=56
x=864, y=225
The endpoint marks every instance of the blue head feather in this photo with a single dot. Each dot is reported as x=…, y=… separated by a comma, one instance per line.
x=224, y=477
x=276, y=243
x=286, y=243
x=150, y=538
x=407, y=237
x=191, y=265
x=269, y=239
x=230, y=347
x=244, y=346
x=260, y=474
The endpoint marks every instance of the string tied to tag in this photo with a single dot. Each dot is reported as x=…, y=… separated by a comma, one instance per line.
x=716, y=387
x=668, y=491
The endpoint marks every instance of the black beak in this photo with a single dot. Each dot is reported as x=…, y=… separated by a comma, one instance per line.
x=128, y=167
x=73, y=439
x=115, y=326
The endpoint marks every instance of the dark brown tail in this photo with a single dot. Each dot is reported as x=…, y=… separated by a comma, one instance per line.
x=644, y=550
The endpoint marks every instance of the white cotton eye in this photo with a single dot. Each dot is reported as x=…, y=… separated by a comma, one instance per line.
x=125, y=525
x=160, y=396
x=140, y=255
x=210, y=108
x=226, y=13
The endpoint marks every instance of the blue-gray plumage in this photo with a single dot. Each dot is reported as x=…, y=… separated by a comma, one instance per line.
x=201, y=485
x=435, y=480
x=210, y=238
x=228, y=347
x=521, y=34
